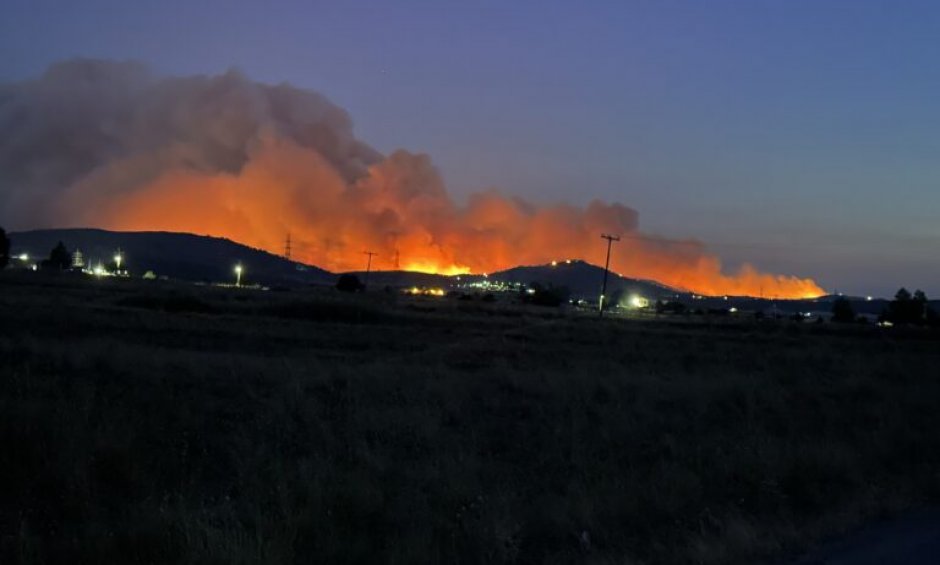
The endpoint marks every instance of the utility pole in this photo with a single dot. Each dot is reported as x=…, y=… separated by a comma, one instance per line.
x=610, y=239
x=368, y=267
x=287, y=247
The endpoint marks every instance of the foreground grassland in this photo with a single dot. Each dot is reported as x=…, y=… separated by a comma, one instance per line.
x=176, y=424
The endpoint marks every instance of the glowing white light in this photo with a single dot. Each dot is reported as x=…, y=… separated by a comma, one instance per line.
x=238, y=274
x=554, y=263
x=869, y=298
x=637, y=301
x=733, y=310
x=24, y=257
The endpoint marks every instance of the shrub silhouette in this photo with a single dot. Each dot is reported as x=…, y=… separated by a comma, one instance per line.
x=671, y=307
x=548, y=295
x=349, y=283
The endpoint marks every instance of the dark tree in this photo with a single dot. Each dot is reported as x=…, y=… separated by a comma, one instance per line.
x=349, y=283
x=59, y=258
x=4, y=248
x=842, y=311
x=907, y=308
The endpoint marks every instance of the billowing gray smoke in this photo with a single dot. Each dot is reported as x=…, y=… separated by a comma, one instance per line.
x=83, y=115
x=112, y=145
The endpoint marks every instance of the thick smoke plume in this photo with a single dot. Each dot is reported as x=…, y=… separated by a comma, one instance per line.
x=112, y=145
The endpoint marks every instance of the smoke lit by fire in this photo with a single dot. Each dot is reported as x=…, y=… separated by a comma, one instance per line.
x=110, y=145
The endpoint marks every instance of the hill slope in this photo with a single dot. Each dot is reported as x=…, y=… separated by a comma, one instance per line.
x=583, y=279
x=177, y=255
x=198, y=257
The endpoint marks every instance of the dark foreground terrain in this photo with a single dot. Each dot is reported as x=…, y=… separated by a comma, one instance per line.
x=179, y=424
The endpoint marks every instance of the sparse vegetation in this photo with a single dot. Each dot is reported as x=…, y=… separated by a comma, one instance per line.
x=152, y=423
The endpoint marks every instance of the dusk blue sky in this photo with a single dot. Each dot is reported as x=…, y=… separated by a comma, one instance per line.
x=803, y=136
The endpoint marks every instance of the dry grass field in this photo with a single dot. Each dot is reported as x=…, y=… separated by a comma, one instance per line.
x=160, y=423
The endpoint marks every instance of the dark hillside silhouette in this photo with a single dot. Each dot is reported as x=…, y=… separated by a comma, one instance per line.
x=176, y=255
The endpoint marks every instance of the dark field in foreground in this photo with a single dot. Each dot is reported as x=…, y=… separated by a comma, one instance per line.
x=176, y=424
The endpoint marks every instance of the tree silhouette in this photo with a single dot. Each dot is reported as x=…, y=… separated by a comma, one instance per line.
x=842, y=311
x=4, y=248
x=907, y=308
x=59, y=258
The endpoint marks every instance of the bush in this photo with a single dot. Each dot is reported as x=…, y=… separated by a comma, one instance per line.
x=671, y=307
x=552, y=296
x=349, y=283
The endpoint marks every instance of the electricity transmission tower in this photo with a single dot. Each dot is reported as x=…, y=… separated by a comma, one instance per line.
x=371, y=254
x=610, y=239
x=287, y=247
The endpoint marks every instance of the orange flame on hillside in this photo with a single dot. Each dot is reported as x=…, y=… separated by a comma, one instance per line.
x=401, y=210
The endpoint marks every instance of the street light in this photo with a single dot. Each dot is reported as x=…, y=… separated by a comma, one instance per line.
x=238, y=275
x=117, y=261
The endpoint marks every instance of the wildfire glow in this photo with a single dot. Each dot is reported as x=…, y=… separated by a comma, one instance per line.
x=435, y=269
x=400, y=209
x=225, y=156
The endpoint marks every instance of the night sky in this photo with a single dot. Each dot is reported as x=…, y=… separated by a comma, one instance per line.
x=799, y=135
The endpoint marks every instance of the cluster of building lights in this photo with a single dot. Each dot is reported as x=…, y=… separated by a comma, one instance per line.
x=99, y=270
x=417, y=291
